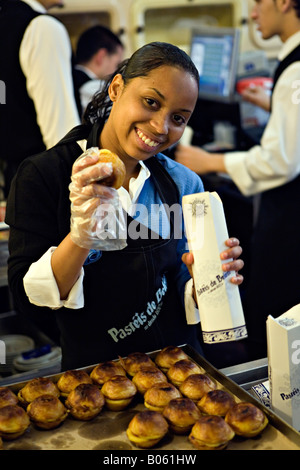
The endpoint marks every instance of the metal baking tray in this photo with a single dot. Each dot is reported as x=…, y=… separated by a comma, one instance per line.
x=108, y=430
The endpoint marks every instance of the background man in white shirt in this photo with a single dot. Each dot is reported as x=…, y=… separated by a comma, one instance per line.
x=271, y=170
x=35, y=64
x=98, y=54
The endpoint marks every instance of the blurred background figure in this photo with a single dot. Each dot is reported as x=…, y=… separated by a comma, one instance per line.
x=98, y=53
x=271, y=172
x=35, y=65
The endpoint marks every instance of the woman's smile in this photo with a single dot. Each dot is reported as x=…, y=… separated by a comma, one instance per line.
x=148, y=141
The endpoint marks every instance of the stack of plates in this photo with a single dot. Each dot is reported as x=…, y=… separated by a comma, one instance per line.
x=49, y=359
x=14, y=345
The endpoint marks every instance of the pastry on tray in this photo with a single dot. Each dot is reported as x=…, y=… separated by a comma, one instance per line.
x=47, y=412
x=157, y=397
x=105, y=371
x=211, y=433
x=179, y=371
x=197, y=385
x=147, y=428
x=35, y=388
x=181, y=414
x=146, y=378
x=85, y=401
x=7, y=397
x=135, y=361
x=216, y=402
x=118, y=392
x=246, y=419
x=168, y=356
x=70, y=379
x=14, y=421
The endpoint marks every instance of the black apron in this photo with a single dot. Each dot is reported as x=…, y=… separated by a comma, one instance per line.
x=131, y=300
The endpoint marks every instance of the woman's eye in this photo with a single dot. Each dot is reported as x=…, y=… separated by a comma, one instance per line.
x=151, y=102
x=179, y=119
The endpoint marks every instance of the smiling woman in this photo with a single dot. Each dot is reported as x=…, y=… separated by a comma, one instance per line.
x=148, y=114
x=137, y=116
x=154, y=113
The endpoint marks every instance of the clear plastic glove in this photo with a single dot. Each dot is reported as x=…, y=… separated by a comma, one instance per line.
x=97, y=218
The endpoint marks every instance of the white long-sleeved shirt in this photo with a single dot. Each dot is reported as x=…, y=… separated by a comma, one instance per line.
x=276, y=160
x=45, y=58
x=39, y=281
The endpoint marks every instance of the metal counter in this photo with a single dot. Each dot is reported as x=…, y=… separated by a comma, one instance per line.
x=248, y=374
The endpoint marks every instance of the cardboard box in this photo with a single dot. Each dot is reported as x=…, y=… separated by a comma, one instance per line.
x=283, y=337
x=220, y=309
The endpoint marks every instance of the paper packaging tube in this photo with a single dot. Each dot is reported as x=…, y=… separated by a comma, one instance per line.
x=220, y=308
x=283, y=338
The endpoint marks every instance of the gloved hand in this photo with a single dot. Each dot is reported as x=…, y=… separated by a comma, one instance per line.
x=97, y=218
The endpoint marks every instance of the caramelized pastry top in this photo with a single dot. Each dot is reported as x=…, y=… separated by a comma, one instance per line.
x=160, y=394
x=246, y=419
x=212, y=430
x=71, y=378
x=85, y=396
x=7, y=397
x=105, y=371
x=149, y=424
x=181, y=370
x=13, y=419
x=37, y=387
x=216, y=402
x=135, y=361
x=118, y=388
x=182, y=412
x=168, y=356
x=46, y=408
x=197, y=385
x=146, y=378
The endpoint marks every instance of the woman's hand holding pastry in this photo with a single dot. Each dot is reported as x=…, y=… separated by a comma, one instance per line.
x=86, y=194
x=87, y=173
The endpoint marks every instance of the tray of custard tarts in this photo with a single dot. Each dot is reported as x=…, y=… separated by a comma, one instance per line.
x=171, y=399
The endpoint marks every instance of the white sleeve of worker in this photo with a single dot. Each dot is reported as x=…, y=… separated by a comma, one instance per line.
x=41, y=288
x=45, y=58
x=191, y=310
x=276, y=161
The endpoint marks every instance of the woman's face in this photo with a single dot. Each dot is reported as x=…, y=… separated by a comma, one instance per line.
x=150, y=113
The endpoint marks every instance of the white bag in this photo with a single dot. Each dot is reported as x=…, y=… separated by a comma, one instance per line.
x=220, y=308
x=283, y=337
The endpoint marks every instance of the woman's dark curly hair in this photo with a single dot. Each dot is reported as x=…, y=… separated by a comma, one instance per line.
x=296, y=4
x=140, y=64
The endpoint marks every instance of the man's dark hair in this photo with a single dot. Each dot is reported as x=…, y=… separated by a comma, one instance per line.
x=93, y=39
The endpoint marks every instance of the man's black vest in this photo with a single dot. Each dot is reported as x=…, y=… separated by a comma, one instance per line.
x=20, y=135
x=294, y=56
x=79, y=79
